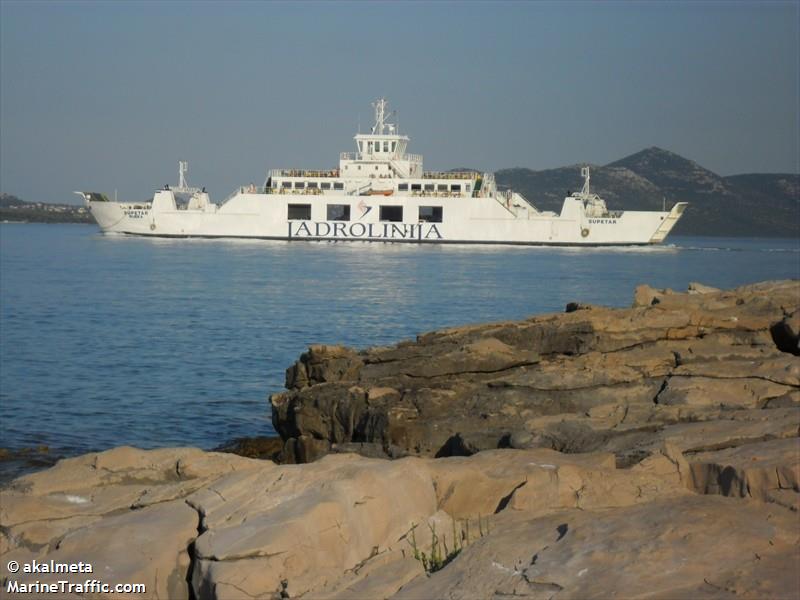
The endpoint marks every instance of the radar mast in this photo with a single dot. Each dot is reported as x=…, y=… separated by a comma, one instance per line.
x=381, y=106
x=586, y=177
x=183, y=186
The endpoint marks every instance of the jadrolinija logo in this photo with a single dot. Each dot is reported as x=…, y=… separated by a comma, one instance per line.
x=364, y=208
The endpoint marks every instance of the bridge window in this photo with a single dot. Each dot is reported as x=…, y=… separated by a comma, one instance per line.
x=416, y=187
x=456, y=187
x=299, y=185
x=442, y=187
x=428, y=187
x=338, y=212
x=360, y=146
x=430, y=214
x=385, y=146
x=325, y=185
x=403, y=187
x=338, y=185
x=394, y=145
x=299, y=212
x=369, y=147
x=393, y=214
x=312, y=185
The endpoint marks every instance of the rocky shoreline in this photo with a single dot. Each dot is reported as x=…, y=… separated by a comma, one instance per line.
x=643, y=452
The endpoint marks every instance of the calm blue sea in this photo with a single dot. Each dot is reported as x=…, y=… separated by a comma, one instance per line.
x=109, y=340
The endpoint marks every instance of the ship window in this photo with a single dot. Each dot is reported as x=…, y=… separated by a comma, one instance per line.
x=393, y=214
x=286, y=184
x=456, y=187
x=312, y=185
x=416, y=187
x=299, y=185
x=403, y=187
x=325, y=185
x=442, y=187
x=299, y=212
x=430, y=214
x=428, y=187
x=338, y=212
x=385, y=146
x=338, y=185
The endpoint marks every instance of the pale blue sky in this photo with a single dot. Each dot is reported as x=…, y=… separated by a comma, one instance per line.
x=103, y=96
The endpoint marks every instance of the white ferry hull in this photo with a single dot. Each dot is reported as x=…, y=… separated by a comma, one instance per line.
x=465, y=220
x=381, y=193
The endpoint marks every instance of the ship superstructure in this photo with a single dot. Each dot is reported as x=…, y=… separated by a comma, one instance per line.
x=381, y=193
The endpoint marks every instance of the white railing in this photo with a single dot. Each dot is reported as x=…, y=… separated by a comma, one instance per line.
x=469, y=175
x=303, y=173
x=414, y=158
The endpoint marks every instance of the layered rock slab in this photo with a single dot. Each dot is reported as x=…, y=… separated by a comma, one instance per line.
x=123, y=511
x=230, y=526
x=691, y=547
x=604, y=372
x=204, y=525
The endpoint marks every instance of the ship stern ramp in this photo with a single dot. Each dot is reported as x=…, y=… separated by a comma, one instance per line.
x=668, y=222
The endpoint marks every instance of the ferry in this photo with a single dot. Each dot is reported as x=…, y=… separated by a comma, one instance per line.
x=381, y=193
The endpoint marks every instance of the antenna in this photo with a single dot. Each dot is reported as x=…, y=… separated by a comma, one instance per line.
x=586, y=177
x=380, y=115
x=183, y=168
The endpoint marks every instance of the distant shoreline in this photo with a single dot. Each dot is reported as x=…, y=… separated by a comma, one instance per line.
x=52, y=214
x=9, y=222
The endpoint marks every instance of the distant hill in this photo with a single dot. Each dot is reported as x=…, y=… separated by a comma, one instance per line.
x=740, y=205
x=14, y=209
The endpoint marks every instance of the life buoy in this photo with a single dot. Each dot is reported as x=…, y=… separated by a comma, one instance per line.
x=584, y=232
x=152, y=226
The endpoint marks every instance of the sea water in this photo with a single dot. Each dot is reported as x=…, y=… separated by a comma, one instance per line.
x=109, y=340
